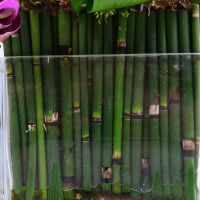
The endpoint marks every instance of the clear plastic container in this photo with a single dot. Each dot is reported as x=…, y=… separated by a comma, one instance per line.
x=100, y=127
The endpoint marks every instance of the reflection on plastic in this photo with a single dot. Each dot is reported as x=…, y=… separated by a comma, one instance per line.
x=64, y=137
x=5, y=161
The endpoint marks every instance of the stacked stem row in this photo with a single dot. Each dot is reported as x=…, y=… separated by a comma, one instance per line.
x=120, y=124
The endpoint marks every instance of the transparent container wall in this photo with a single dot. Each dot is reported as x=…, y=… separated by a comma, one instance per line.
x=102, y=127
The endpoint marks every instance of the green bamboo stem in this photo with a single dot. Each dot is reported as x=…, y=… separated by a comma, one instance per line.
x=126, y=161
x=30, y=106
x=107, y=107
x=97, y=95
x=163, y=91
x=131, y=33
x=89, y=62
x=118, y=103
x=196, y=48
x=35, y=39
x=146, y=174
x=67, y=129
x=154, y=135
x=15, y=140
x=66, y=118
x=137, y=104
x=174, y=106
x=51, y=115
x=76, y=104
x=86, y=141
x=16, y=156
x=115, y=28
x=54, y=21
x=19, y=84
x=187, y=106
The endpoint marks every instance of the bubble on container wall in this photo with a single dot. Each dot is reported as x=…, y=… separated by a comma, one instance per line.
x=177, y=67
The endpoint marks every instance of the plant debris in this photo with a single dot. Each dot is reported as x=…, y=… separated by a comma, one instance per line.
x=53, y=6
x=50, y=6
x=173, y=4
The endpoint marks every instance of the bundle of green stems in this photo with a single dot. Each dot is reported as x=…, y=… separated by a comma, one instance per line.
x=122, y=126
